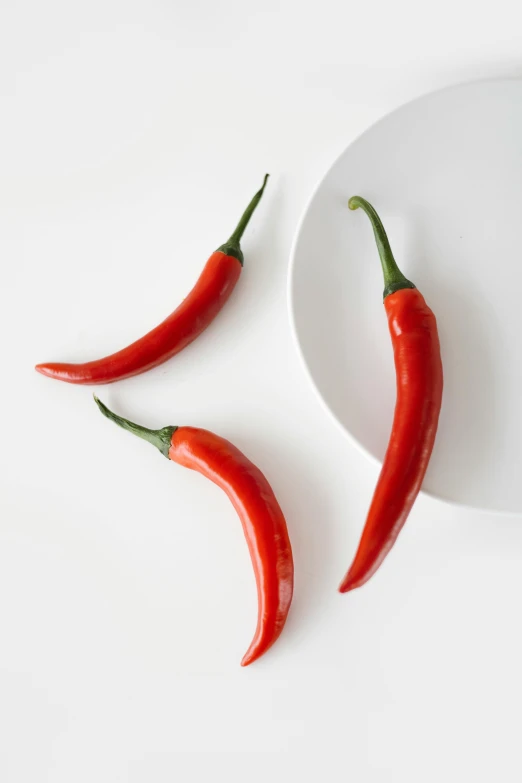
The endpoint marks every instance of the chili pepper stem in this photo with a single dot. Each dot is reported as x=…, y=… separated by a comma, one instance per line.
x=394, y=280
x=232, y=246
x=159, y=438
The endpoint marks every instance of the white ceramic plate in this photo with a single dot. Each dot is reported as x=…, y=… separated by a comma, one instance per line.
x=445, y=175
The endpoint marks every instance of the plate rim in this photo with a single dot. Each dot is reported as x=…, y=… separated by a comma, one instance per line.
x=290, y=288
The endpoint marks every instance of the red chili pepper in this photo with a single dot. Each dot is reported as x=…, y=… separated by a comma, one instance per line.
x=251, y=495
x=194, y=314
x=418, y=367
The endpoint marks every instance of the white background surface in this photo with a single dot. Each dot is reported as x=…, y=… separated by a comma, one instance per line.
x=132, y=135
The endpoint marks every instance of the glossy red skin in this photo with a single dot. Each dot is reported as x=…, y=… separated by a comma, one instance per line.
x=418, y=367
x=263, y=523
x=194, y=314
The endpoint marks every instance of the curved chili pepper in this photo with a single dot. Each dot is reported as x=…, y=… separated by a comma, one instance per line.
x=418, y=367
x=194, y=314
x=252, y=496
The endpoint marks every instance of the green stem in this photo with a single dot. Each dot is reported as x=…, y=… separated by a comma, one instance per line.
x=232, y=246
x=394, y=280
x=159, y=438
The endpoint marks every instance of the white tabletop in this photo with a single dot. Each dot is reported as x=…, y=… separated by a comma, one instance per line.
x=132, y=136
